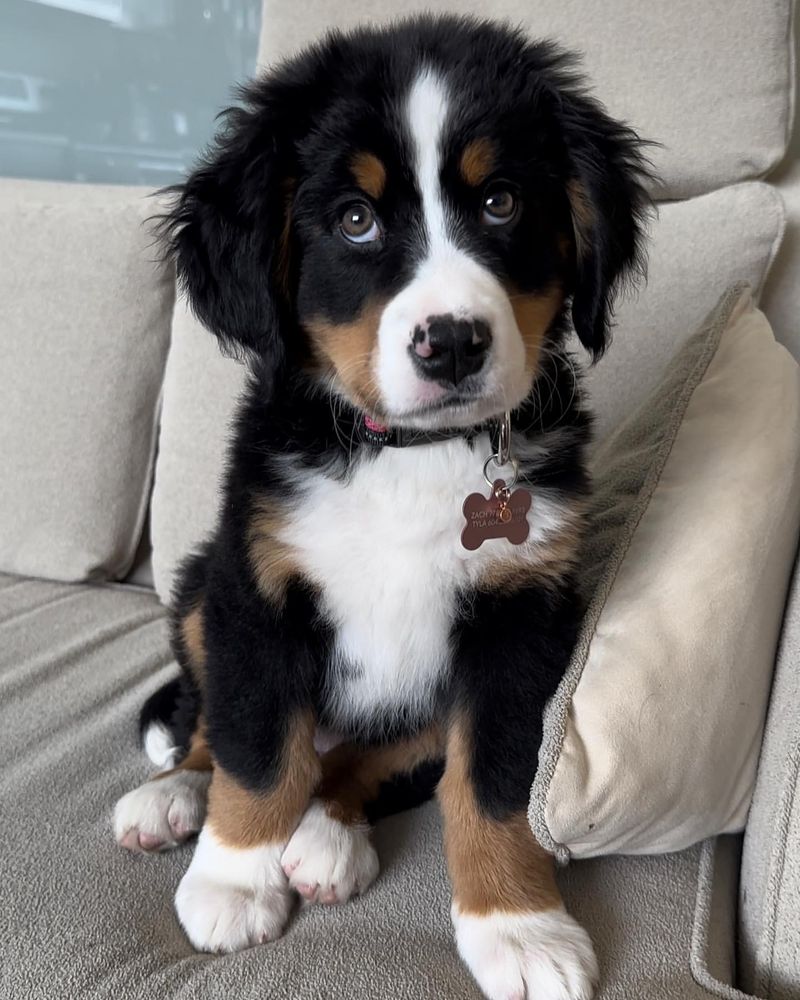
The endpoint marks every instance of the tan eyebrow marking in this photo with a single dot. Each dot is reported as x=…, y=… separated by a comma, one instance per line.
x=369, y=174
x=477, y=161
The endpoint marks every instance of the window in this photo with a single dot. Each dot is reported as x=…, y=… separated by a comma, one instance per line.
x=117, y=91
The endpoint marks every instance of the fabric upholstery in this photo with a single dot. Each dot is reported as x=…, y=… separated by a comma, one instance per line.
x=781, y=296
x=713, y=933
x=698, y=249
x=711, y=81
x=653, y=737
x=781, y=301
x=81, y=918
x=769, y=894
x=84, y=327
x=200, y=392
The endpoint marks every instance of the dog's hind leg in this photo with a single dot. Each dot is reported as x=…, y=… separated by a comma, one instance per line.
x=171, y=807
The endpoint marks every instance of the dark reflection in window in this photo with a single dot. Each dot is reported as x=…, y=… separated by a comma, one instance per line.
x=117, y=91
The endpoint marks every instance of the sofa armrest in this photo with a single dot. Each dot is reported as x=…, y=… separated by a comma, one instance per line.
x=769, y=890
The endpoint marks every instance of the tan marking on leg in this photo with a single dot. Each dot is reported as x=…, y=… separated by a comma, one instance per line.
x=582, y=215
x=494, y=865
x=347, y=352
x=274, y=562
x=550, y=561
x=369, y=173
x=534, y=313
x=199, y=756
x=352, y=775
x=242, y=818
x=477, y=161
x=192, y=632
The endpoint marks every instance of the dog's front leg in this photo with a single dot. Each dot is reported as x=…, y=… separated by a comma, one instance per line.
x=235, y=893
x=512, y=930
x=260, y=728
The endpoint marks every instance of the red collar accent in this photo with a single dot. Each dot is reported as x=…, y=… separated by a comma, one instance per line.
x=374, y=426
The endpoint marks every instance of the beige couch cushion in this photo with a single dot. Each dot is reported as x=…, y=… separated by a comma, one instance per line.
x=699, y=247
x=201, y=387
x=712, y=81
x=84, y=326
x=654, y=735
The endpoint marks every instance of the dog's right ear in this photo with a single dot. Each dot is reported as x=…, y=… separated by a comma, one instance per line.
x=229, y=231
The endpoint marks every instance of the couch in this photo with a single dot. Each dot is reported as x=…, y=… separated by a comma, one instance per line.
x=114, y=410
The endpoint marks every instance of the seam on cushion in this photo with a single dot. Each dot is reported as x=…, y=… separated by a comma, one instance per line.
x=700, y=927
x=764, y=976
x=556, y=712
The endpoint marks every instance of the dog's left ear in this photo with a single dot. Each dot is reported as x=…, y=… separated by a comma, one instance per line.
x=609, y=206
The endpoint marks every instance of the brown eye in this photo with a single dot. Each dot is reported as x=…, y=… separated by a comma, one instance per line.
x=358, y=224
x=499, y=207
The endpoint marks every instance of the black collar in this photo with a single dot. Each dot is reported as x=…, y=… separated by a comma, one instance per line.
x=379, y=436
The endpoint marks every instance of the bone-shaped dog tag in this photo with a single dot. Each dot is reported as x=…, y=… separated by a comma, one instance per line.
x=502, y=514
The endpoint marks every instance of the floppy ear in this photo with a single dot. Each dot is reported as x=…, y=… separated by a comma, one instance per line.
x=228, y=231
x=609, y=206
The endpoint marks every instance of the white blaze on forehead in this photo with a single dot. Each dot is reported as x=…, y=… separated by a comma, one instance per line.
x=427, y=111
x=448, y=280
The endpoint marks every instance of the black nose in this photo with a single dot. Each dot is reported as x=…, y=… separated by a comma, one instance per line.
x=447, y=349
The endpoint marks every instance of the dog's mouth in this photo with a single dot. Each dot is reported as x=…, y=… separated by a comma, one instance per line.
x=465, y=395
x=465, y=406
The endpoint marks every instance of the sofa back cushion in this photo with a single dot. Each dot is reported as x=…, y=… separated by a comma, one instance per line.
x=84, y=328
x=201, y=387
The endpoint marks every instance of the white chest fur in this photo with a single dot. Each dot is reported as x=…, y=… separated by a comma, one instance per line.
x=385, y=549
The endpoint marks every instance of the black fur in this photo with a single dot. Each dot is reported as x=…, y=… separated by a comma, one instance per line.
x=254, y=237
x=405, y=791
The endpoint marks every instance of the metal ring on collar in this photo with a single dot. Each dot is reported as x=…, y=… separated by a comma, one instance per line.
x=500, y=465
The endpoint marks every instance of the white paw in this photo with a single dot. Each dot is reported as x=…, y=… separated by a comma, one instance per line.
x=162, y=813
x=528, y=956
x=231, y=898
x=327, y=861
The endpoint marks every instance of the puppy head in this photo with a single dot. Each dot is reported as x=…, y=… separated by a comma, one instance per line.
x=408, y=213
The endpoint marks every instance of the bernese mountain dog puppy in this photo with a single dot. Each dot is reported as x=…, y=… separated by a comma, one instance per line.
x=396, y=230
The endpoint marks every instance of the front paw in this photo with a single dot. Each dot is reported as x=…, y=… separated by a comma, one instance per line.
x=230, y=899
x=327, y=861
x=527, y=956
